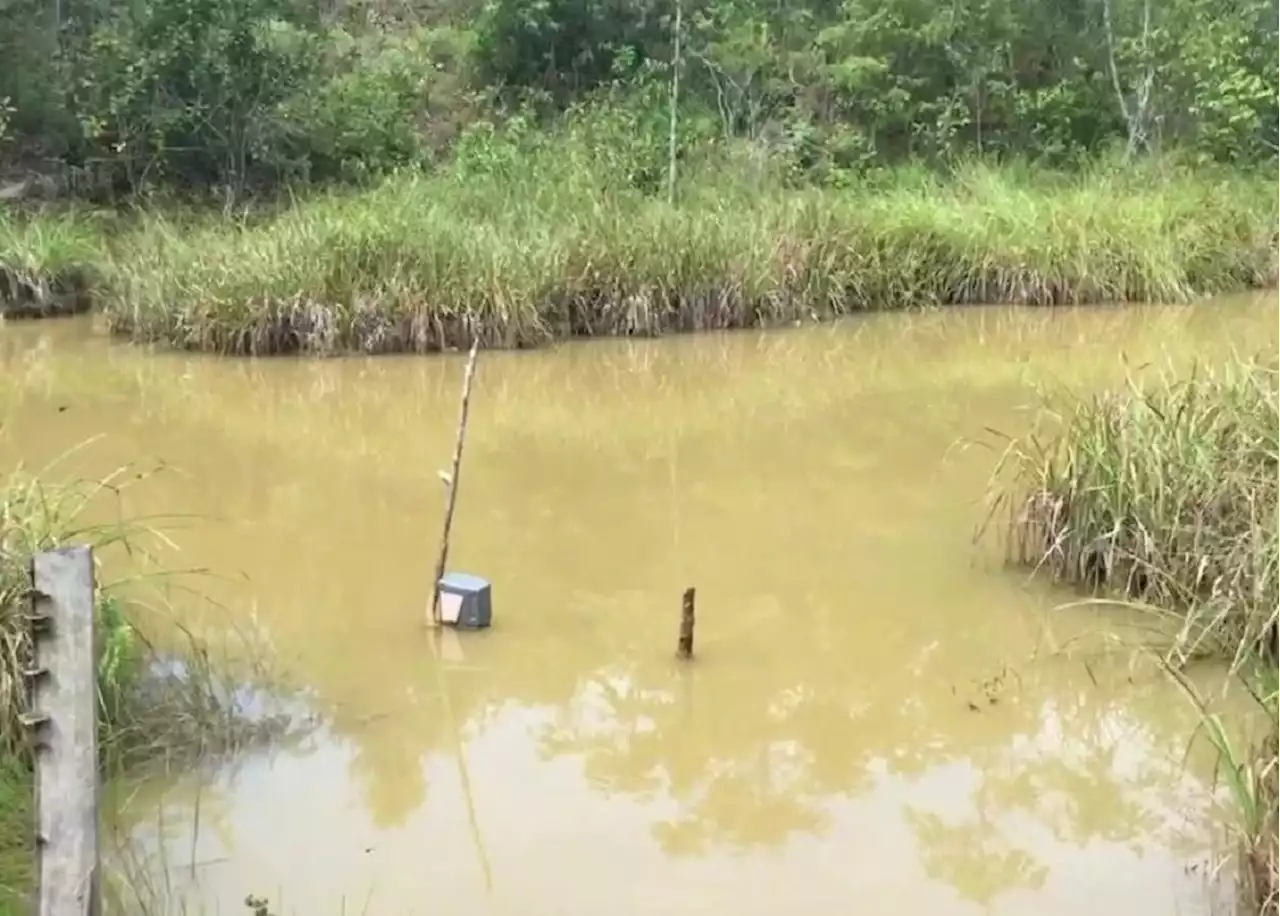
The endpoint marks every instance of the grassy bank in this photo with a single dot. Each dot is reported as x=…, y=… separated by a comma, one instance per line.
x=418, y=263
x=1165, y=495
x=146, y=717
x=526, y=246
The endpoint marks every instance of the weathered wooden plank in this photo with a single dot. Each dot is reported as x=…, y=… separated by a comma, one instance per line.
x=64, y=696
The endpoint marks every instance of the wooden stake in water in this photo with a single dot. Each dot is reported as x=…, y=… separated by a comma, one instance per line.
x=451, y=481
x=684, y=648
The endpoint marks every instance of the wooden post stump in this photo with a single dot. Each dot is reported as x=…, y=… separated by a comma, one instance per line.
x=684, y=647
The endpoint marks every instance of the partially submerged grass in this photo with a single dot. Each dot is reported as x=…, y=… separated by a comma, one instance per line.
x=1250, y=777
x=1165, y=495
x=420, y=264
x=48, y=264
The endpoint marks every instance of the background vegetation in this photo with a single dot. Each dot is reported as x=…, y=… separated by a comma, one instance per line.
x=227, y=95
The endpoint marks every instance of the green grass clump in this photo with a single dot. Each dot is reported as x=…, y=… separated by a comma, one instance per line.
x=1167, y=493
x=36, y=517
x=48, y=264
x=523, y=257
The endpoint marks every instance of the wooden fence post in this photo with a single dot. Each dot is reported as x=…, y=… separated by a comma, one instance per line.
x=64, y=717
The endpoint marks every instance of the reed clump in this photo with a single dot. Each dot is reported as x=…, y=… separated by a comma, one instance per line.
x=1165, y=495
x=48, y=264
x=519, y=257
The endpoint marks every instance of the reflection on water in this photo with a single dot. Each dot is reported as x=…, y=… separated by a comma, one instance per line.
x=879, y=718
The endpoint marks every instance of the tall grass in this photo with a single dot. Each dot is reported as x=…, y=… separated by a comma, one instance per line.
x=48, y=264
x=34, y=517
x=1166, y=495
x=1166, y=492
x=519, y=254
x=152, y=703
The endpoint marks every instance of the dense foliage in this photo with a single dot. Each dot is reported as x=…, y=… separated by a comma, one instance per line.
x=242, y=93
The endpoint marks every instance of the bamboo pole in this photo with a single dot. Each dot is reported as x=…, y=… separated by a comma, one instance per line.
x=451, y=481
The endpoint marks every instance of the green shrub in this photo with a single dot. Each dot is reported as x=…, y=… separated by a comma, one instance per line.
x=561, y=46
x=367, y=114
x=188, y=89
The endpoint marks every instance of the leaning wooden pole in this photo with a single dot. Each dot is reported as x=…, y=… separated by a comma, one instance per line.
x=451, y=481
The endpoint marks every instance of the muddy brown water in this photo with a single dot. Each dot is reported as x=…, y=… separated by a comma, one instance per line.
x=881, y=719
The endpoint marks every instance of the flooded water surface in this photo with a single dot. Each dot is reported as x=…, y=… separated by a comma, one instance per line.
x=881, y=719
